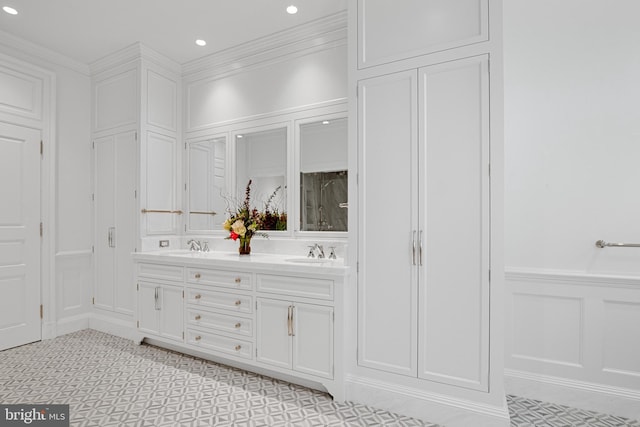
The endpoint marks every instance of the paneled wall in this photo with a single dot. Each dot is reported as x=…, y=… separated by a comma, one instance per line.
x=572, y=133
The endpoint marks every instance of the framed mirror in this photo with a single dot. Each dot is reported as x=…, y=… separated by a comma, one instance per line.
x=207, y=184
x=323, y=175
x=261, y=156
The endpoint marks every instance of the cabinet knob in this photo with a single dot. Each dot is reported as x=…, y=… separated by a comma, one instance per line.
x=198, y=317
x=238, y=302
x=238, y=347
x=238, y=325
x=198, y=338
x=197, y=276
x=198, y=296
x=238, y=279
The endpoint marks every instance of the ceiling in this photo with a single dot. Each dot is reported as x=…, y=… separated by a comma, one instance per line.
x=87, y=30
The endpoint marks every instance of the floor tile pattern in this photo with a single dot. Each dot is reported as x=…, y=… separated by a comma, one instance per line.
x=110, y=381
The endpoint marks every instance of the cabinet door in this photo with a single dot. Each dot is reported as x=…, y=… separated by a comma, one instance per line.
x=273, y=340
x=389, y=32
x=313, y=339
x=171, y=312
x=388, y=192
x=454, y=277
x=115, y=206
x=148, y=317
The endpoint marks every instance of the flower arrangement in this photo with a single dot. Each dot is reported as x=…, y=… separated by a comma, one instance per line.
x=246, y=221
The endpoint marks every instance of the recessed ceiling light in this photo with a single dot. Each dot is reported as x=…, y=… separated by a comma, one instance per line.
x=10, y=10
x=239, y=136
x=292, y=10
x=201, y=42
x=326, y=122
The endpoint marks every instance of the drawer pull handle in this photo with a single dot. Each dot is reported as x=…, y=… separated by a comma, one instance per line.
x=238, y=279
x=198, y=317
x=238, y=325
x=198, y=338
x=198, y=296
x=238, y=302
x=238, y=347
x=197, y=275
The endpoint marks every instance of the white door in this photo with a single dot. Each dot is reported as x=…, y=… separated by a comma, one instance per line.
x=20, y=321
x=273, y=318
x=454, y=221
x=148, y=307
x=387, y=233
x=115, y=204
x=312, y=334
x=171, y=312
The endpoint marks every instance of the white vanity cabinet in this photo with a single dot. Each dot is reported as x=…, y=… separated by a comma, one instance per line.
x=261, y=312
x=293, y=333
x=160, y=301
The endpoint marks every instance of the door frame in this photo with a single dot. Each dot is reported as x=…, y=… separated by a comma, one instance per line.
x=45, y=122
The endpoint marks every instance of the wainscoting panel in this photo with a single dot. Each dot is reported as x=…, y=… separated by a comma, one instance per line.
x=22, y=93
x=73, y=289
x=575, y=334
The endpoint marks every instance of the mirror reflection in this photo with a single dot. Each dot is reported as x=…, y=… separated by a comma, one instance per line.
x=207, y=164
x=323, y=176
x=262, y=158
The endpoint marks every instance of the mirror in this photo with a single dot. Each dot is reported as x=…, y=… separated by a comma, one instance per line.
x=262, y=158
x=207, y=184
x=323, y=175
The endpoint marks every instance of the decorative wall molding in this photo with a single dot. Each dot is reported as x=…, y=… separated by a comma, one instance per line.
x=569, y=277
x=36, y=51
x=321, y=34
x=131, y=53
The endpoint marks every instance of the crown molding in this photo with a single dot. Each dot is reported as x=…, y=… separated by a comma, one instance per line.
x=321, y=34
x=131, y=53
x=29, y=51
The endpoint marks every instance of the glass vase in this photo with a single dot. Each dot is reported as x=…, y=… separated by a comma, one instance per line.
x=245, y=245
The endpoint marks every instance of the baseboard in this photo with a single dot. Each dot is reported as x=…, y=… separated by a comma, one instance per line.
x=72, y=324
x=118, y=327
x=578, y=394
x=439, y=409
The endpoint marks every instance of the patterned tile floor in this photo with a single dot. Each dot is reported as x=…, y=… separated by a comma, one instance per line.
x=109, y=381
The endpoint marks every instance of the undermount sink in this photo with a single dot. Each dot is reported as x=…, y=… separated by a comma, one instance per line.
x=309, y=260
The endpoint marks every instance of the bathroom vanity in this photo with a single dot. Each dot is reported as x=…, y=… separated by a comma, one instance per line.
x=276, y=315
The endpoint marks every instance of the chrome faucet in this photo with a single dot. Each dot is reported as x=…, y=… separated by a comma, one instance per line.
x=195, y=245
x=320, y=250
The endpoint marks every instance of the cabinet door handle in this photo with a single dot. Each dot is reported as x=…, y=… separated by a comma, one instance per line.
x=198, y=317
x=198, y=338
x=413, y=245
x=238, y=280
x=198, y=296
x=156, y=298
x=238, y=325
x=238, y=302
x=420, y=238
x=238, y=347
x=112, y=237
x=197, y=275
x=290, y=320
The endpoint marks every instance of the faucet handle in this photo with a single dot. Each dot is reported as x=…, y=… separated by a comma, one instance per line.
x=332, y=254
x=311, y=253
x=205, y=246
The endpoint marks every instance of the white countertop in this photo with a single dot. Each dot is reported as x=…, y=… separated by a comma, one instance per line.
x=272, y=263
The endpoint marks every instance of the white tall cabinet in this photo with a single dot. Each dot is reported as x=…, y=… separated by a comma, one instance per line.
x=428, y=137
x=136, y=169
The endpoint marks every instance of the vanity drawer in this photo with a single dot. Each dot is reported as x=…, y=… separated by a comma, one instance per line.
x=236, y=303
x=296, y=286
x=220, y=322
x=161, y=271
x=226, y=279
x=220, y=343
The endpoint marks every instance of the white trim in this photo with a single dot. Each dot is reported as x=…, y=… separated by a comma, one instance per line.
x=74, y=254
x=578, y=394
x=418, y=403
x=569, y=277
x=131, y=53
x=41, y=53
x=73, y=324
x=321, y=34
x=110, y=325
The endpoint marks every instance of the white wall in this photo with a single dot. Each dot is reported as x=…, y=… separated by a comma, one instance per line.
x=572, y=146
